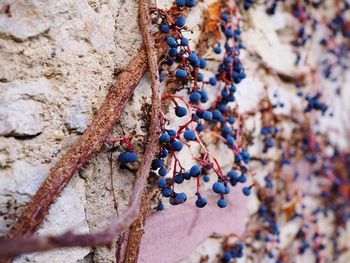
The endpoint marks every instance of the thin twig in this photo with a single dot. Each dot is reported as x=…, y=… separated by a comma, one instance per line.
x=88, y=145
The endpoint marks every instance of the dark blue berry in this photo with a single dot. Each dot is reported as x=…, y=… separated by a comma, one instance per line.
x=190, y=135
x=187, y=175
x=222, y=203
x=163, y=171
x=218, y=188
x=200, y=127
x=184, y=41
x=157, y=163
x=190, y=3
x=213, y=81
x=206, y=178
x=165, y=29
x=177, y=146
x=172, y=52
x=181, y=74
x=171, y=42
x=242, y=179
x=180, y=198
x=180, y=21
x=127, y=157
x=171, y=132
x=217, y=50
x=162, y=183
x=164, y=138
x=160, y=207
x=180, y=3
x=207, y=115
x=179, y=178
x=201, y=202
x=195, y=170
x=246, y=191
x=195, y=97
x=202, y=63
x=167, y=192
x=193, y=59
x=180, y=111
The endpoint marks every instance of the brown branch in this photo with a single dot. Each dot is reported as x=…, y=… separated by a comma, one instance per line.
x=89, y=143
x=136, y=230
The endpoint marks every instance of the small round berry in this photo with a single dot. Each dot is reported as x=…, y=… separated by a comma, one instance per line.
x=229, y=33
x=179, y=178
x=164, y=153
x=167, y=192
x=187, y=175
x=165, y=28
x=232, y=174
x=195, y=170
x=207, y=115
x=225, y=16
x=246, y=191
x=163, y=171
x=233, y=89
x=172, y=52
x=181, y=74
x=195, y=97
x=227, y=257
x=171, y=132
x=190, y=135
x=162, y=183
x=218, y=188
x=185, y=41
x=180, y=198
x=202, y=63
x=242, y=179
x=213, y=81
x=177, y=146
x=240, y=245
x=200, y=77
x=127, y=157
x=206, y=178
x=201, y=202
x=180, y=3
x=216, y=115
x=230, y=140
x=190, y=3
x=217, y=50
x=200, y=127
x=226, y=130
x=222, y=203
x=227, y=189
x=228, y=60
x=160, y=207
x=164, y=138
x=157, y=163
x=180, y=111
x=193, y=59
x=204, y=97
x=171, y=42
x=180, y=21
x=170, y=61
x=231, y=120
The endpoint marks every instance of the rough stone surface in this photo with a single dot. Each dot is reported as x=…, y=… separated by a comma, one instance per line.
x=58, y=60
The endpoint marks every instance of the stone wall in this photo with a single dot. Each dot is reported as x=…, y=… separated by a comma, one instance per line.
x=58, y=60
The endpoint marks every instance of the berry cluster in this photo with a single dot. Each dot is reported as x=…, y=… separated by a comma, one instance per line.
x=219, y=119
x=235, y=251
